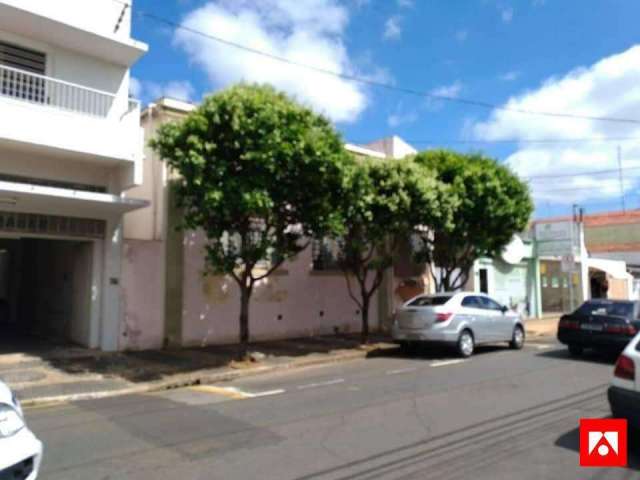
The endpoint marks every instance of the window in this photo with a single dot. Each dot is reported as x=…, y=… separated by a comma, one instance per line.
x=489, y=304
x=325, y=253
x=618, y=309
x=428, y=301
x=471, y=302
x=17, y=80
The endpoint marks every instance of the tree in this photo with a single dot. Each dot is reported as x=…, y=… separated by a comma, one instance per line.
x=492, y=205
x=259, y=175
x=386, y=199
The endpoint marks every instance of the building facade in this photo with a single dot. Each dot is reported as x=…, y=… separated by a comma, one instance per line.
x=170, y=302
x=70, y=146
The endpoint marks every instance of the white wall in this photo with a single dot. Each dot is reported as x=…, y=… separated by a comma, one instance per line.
x=98, y=16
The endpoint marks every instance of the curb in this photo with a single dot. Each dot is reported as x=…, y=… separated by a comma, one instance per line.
x=196, y=378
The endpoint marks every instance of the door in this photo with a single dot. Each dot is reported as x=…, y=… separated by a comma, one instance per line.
x=478, y=318
x=501, y=322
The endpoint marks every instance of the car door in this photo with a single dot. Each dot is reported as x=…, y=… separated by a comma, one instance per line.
x=502, y=320
x=478, y=319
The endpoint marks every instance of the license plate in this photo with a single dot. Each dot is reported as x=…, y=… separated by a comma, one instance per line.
x=592, y=327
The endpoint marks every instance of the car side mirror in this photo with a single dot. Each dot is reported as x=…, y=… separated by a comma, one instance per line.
x=504, y=309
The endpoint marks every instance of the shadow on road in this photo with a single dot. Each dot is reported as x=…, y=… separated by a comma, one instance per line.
x=430, y=352
x=571, y=441
x=607, y=357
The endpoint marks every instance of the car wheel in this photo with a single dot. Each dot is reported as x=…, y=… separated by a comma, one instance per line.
x=517, y=339
x=575, y=350
x=466, y=344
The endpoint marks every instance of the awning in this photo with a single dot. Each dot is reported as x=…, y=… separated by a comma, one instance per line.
x=28, y=198
x=614, y=268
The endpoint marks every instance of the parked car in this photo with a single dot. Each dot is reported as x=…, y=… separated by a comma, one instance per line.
x=20, y=450
x=601, y=324
x=461, y=319
x=624, y=392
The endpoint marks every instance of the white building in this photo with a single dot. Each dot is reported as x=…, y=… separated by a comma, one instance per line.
x=70, y=145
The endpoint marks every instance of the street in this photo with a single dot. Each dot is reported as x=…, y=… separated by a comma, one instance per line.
x=501, y=414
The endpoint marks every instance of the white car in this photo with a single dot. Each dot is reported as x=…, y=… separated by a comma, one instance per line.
x=462, y=319
x=20, y=450
x=624, y=392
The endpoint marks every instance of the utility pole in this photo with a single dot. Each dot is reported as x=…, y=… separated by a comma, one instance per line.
x=620, y=179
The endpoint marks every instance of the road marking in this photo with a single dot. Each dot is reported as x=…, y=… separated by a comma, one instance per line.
x=268, y=393
x=321, y=384
x=229, y=392
x=234, y=393
x=442, y=363
x=402, y=370
x=541, y=346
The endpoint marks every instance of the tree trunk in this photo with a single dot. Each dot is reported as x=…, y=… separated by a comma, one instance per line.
x=364, y=335
x=245, y=296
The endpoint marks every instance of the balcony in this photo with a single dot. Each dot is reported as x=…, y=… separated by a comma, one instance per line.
x=52, y=117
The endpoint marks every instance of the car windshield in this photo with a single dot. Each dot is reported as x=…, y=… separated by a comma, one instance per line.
x=617, y=309
x=429, y=301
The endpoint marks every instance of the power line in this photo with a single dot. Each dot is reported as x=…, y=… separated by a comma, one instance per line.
x=374, y=83
x=518, y=140
x=579, y=174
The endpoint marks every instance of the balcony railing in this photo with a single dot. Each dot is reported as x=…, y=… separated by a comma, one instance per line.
x=42, y=90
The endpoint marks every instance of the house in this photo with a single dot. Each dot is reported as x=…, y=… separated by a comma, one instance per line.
x=70, y=146
x=170, y=302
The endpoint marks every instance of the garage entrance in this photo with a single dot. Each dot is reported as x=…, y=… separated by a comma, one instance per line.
x=46, y=288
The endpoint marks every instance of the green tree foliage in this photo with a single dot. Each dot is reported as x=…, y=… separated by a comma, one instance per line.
x=386, y=199
x=491, y=205
x=259, y=175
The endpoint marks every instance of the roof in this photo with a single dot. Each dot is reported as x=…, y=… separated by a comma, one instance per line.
x=599, y=219
x=614, y=247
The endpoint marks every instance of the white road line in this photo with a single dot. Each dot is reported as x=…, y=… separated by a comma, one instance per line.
x=321, y=384
x=541, y=346
x=402, y=370
x=442, y=363
x=265, y=394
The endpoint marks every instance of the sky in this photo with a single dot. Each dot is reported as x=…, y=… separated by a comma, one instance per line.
x=561, y=56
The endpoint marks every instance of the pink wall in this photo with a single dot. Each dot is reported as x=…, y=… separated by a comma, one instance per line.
x=142, y=326
x=211, y=303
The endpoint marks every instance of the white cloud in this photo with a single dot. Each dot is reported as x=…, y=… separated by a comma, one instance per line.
x=180, y=90
x=462, y=35
x=149, y=91
x=303, y=31
x=135, y=87
x=405, y=3
x=539, y=3
x=451, y=90
x=400, y=116
x=609, y=88
x=507, y=14
x=392, y=28
x=510, y=76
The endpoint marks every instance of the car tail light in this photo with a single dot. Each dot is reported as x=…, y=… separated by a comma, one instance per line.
x=624, y=329
x=570, y=324
x=625, y=368
x=443, y=317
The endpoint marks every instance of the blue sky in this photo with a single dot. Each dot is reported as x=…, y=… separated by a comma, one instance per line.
x=545, y=55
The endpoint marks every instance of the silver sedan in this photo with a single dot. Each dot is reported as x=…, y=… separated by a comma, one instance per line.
x=461, y=319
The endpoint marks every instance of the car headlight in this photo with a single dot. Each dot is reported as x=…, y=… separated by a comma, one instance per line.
x=10, y=421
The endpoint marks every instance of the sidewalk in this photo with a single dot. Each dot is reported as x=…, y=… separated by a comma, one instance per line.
x=71, y=374
x=547, y=326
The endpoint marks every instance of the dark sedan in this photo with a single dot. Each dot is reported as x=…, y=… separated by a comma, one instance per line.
x=601, y=324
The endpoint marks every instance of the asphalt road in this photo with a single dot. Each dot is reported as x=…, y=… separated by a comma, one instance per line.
x=499, y=415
